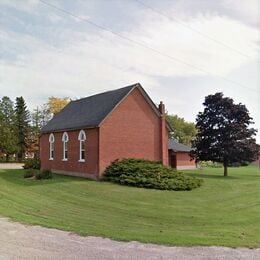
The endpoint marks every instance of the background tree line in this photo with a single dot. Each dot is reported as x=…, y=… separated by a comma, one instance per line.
x=19, y=127
x=184, y=132
x=222, y=132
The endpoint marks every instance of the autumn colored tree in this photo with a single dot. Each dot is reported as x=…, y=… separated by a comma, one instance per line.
x=224, y=133
x=184, y=131
x=55, y=105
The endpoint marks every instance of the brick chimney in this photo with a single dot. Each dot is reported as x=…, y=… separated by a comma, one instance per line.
x=163, y=137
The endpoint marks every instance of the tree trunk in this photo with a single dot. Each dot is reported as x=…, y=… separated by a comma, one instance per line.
x=19, y=156
x=225, y=169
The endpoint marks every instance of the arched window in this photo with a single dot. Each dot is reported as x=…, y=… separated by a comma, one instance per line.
x=65, y=140
x=51, y=141
x=82, y=140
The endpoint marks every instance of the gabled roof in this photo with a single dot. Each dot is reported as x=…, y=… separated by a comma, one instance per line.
x=91, y=111
x=178, y=147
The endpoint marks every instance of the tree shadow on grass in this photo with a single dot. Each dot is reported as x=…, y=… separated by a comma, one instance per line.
x=211, y=176
x=233, y=173
x=17, y=177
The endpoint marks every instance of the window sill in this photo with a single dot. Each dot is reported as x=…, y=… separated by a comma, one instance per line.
x=64, y=160
x=82, y=160
x=50, y=159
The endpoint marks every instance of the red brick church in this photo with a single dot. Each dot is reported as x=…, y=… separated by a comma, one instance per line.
x=90, y=133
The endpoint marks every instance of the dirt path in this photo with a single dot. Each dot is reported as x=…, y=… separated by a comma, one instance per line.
x=19, y=241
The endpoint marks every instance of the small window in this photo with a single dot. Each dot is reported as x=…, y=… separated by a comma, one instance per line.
x=82, y=140
x=65, y=140
x=51, y=141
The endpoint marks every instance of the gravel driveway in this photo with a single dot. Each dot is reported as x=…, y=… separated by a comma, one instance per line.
x=18, y=241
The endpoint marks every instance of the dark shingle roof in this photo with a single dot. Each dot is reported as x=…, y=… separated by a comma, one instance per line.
x=89, y=111
x=176, y=146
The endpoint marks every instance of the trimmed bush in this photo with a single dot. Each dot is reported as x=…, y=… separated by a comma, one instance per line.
x=149, y=174
x=44, y=174
x=32, y=164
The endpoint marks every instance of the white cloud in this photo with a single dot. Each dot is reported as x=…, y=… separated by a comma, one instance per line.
x=24, y=5
x=86, y=63
x=178, y=41
x=248, y=10
x=54, y=18
x=82, y=53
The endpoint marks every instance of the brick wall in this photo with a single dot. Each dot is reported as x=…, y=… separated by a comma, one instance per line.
x=72, y=165
x=132, y=130
x=183, y=161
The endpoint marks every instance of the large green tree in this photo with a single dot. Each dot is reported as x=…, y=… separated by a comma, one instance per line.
x=224, y=132
x=184, y=131
x=22, y=119
x=8, y=138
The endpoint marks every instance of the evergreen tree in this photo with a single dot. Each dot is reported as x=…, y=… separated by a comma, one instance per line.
x=22, y=117
x=8, y=138
x=224, y=134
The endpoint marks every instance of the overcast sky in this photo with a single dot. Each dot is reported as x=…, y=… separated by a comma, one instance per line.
x=179, y=50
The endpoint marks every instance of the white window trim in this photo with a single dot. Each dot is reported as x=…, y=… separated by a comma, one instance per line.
x=80, y=147
x=65, y=139
x=51, y=146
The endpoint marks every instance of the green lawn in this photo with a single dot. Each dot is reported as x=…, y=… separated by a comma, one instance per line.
x=224, y=211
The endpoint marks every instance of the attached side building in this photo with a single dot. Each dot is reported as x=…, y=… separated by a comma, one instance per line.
x=90, y=133
x=179, y=156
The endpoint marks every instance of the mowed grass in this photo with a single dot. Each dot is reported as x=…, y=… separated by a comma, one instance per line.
x=224, y=211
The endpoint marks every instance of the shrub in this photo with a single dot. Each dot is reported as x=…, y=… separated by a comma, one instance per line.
x=37, y=174
x=149, y=174
x=210, y=164
x=32, y=163
x=238, y=164
x=30, y=173
x=44, y=174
